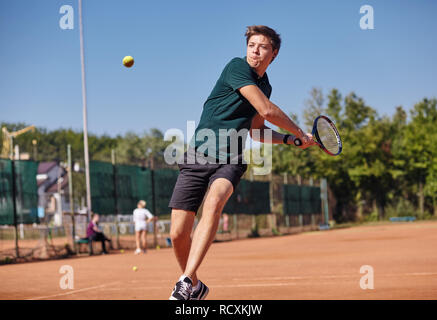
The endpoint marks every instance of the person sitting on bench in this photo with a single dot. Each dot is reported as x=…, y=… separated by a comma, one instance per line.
x=94, y=233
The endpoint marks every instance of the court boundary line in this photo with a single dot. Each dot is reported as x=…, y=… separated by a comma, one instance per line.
x=73, y=292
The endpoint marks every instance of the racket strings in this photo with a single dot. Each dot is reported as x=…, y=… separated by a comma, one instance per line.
x=328, y=136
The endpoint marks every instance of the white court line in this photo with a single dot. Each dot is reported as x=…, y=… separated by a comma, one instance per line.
x=268, y=278
x=221, y=286
x=75, y=291
x=280, y=284
x=303, y=278
x=334, y=276
x=293, y=278
x=277, y=284
x=300, y=278
x=255, y=285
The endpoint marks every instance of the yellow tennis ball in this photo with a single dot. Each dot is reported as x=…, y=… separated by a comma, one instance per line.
x=158, y=247
x=128, y=61
x=134, y=268
x=122, y=251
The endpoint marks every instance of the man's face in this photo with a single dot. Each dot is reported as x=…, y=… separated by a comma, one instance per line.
x=259, y=51
x=96, y=218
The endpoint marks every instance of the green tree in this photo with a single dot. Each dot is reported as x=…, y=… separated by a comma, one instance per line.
x=146, y=150
x=313, y=107
x=416, y=151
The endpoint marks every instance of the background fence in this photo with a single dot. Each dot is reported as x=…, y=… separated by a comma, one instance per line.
x=22, y=188
x=261, y=205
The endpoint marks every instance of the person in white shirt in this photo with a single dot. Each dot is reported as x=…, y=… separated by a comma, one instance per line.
x=141, y=217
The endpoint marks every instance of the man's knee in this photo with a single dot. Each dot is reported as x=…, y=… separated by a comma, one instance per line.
x=215, y=201
x=178, y=235
x=219, y=193
x=181, y=225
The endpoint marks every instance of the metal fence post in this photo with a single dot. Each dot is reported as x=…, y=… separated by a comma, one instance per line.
x=155, y=240
x=236, y=224
x=114, y=174
x=14, y=205
x=324, y=196
x=70, y=191
x=299, y=182
x=284, y=198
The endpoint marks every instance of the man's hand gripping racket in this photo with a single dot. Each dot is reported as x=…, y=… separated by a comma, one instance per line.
x=324, y=134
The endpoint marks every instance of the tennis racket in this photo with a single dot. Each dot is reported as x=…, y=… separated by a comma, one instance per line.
x=326, y=136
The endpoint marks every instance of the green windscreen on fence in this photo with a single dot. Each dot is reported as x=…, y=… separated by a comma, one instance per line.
x=6, y=205
x=133, y=183
x=102, y=187
x=291, y=198
x=164, y=181
x=26, y=192
x=301, y=199
x=250, y=197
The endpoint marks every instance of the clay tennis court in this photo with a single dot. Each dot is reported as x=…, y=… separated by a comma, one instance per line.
x=314, y=265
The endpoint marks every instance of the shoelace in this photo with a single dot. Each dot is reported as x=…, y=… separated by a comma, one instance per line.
x=183, y=291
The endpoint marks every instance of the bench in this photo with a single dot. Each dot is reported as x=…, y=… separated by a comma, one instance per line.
x=82, y=241
x=402, y=219
x=324, y=227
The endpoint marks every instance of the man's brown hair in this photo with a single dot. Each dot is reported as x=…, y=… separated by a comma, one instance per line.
x=275, y=39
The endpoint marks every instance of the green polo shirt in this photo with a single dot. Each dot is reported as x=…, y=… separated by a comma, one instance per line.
x=227, y=109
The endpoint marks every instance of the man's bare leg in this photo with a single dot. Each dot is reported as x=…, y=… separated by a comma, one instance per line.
x=218, y=194
x=180, y=233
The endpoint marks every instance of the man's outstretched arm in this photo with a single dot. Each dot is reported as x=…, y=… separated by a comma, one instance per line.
x=258, y=124
x=277, y=138
x=272, y=113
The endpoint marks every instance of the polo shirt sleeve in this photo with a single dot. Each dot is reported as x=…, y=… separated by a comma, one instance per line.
x=239, y=74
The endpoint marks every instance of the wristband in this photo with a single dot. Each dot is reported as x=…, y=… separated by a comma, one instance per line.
x=286, y=138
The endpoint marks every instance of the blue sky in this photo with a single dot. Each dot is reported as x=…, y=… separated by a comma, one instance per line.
x=180, y=48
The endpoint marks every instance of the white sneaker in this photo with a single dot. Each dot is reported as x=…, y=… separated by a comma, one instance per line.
x=182, y=289
x=200, y=293
x=138, y=251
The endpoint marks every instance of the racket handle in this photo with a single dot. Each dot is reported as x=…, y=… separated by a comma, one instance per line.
x=297, y=142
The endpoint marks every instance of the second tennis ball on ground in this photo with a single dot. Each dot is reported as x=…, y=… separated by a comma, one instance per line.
x=134, y=268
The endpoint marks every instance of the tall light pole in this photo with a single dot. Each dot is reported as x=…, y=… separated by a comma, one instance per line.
x=85, y=127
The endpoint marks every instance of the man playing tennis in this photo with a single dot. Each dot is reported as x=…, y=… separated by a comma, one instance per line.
x=239, y=101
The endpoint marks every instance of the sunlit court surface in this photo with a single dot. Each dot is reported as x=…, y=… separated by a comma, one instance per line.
x=313, y=265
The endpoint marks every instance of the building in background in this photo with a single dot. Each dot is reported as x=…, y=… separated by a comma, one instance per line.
x=53, y=195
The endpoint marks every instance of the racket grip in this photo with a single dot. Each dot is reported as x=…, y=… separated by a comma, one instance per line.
x=297, y=142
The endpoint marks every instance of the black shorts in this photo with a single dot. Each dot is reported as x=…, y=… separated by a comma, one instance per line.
x=194, y=179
